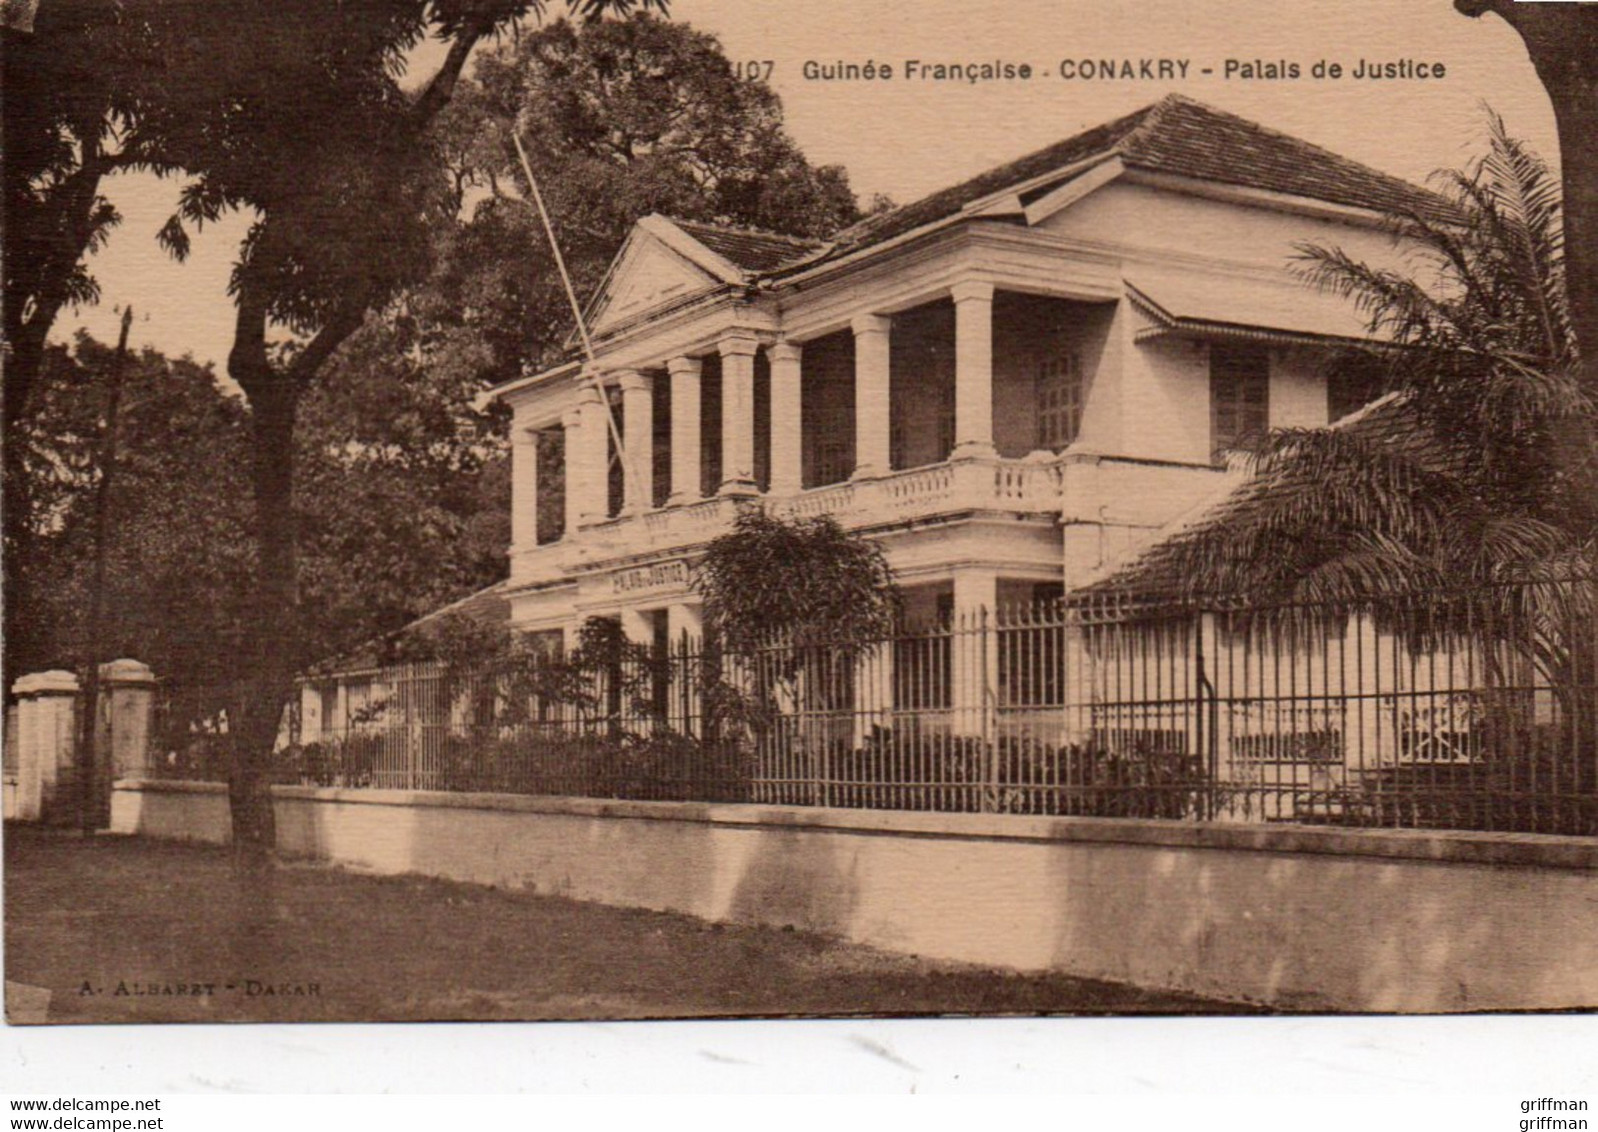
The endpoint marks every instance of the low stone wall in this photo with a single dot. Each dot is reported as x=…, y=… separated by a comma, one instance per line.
x=1298, y=917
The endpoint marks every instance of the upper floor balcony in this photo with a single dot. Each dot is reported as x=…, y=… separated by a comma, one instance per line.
x=973, y=403
x=959, y=404
x=946, y=490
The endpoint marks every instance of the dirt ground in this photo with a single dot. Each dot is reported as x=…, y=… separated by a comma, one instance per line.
x=119, y=929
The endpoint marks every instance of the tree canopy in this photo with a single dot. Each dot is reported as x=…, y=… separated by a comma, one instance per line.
x=804, y=584
x=401, y=507
x=179, y=558
x=620, y=118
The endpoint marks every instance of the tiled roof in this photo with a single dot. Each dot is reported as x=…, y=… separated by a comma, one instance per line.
x=1101, y=140
x=1181, y=137
x=486, y=607
x=1191, y=139
x=1175, y=136
x=749, y=248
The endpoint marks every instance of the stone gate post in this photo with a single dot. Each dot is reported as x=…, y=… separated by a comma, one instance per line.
x=127, y=687
x=47, y=743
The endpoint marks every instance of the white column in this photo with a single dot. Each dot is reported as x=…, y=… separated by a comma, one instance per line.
x=596, y=451
x=1083, y=510
x=975, y=659
x=738, y=414
x=973, y=370
x=46, y=745
x=638, y=426
x=871, y=423
x=523, y=489
x=873, y=681
x=636, y=627
x=787, y=445
x=571, y=425
x=684, y=429
x=685, y=634
x=587, y=443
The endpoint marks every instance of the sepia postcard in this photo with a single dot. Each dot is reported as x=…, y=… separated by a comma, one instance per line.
x=741, y=509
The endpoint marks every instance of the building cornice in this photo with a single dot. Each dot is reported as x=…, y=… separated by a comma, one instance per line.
x=1256, y=198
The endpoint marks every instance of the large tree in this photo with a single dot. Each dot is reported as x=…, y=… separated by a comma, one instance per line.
x=403, y=491
x=178, y=555
x=401, y=507
x=620, y=119
x=78, y=81
x=347, y=217
x=392, y=451
x=339, y=163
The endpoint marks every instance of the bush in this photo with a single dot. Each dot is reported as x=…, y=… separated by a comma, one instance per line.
x=908, y=768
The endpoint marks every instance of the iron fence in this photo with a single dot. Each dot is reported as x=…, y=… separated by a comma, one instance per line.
x=1471, y=710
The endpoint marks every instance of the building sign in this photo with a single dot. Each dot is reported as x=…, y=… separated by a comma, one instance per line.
x=650, y=577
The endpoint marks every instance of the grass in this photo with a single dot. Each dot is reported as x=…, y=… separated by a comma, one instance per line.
x=94, y=920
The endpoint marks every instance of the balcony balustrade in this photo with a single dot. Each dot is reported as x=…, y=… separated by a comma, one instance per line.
x=992, y=484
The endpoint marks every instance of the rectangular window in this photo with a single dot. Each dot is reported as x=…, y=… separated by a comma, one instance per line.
x=1349, y=388
x=1240, y=407
x=833, y=451
x=660, y=663
x=1059, y=398
x=827, y=410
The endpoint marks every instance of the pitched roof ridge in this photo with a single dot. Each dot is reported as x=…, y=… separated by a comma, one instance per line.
x=746, y=230
x=1159, y=110
x=1129, y=122
x=1152, y=115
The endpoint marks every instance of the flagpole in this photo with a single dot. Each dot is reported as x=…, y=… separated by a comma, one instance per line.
x=628, y=470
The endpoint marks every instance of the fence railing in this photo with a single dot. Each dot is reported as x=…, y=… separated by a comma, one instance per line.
x=1474, y=710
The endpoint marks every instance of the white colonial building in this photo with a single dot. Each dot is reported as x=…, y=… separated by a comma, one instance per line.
x=1013, y=384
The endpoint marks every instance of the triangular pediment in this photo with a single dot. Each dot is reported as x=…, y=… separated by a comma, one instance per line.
x=646, y=276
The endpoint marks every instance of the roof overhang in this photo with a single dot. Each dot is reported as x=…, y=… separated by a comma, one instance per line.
x=1208, y=306
x=1256, y=198
x=526, y=381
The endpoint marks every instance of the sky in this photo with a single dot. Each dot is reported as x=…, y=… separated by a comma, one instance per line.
x=907, y=137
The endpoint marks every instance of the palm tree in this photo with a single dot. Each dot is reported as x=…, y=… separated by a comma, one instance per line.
x=1476, y=466
x=1458, y=510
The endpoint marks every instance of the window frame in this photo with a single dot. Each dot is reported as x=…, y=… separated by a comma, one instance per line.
x=1244, y=364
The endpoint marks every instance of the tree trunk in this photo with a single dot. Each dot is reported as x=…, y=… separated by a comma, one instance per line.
x=31, y=308
x=1575, y=98
x=272, y=614
x=273, y=393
